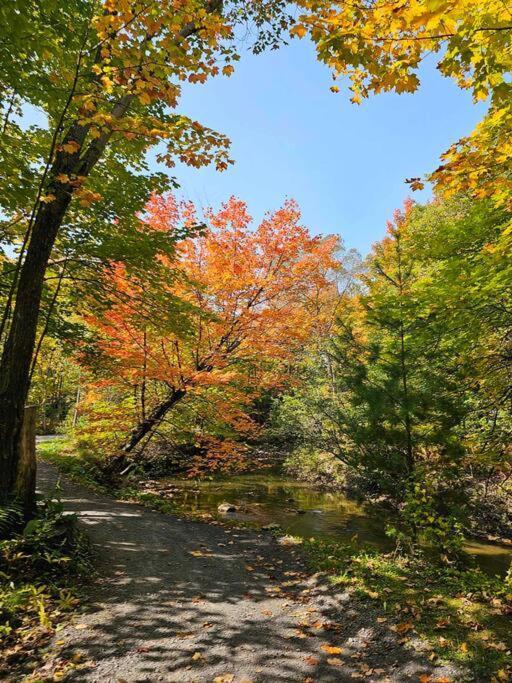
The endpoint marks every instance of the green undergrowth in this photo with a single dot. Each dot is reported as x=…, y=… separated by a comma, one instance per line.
x=461, y=613
x=81, y=469
x=43, y=565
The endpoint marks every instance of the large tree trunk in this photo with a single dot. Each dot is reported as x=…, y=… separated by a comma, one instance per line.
x=19, y=347
x=26, y=479
x=118, y=462
x=20, y=343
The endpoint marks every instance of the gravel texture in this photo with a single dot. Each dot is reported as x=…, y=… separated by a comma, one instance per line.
x=178, y=600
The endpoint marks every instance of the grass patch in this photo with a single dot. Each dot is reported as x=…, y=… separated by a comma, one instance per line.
x=79, y=468
x=461, y=613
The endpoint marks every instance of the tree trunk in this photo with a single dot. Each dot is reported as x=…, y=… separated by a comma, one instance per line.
x=26, y=476
x=20, y=344
x=15, y=366
x=144, y=427
x=19, y=347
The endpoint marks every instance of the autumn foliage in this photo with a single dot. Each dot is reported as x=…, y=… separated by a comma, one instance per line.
x=250, y=299
x=381, y=45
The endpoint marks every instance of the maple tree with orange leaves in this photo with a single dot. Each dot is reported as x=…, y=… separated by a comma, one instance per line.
x=252, y=297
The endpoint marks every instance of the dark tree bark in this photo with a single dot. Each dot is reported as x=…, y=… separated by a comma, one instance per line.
x=17, y=355
x=118, y=462
x=19, y=347
x=146, y=425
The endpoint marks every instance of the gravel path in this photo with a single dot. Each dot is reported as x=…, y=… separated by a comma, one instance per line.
x=182, y=601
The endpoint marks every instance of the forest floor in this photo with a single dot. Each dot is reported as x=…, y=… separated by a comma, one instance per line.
x=180, y=600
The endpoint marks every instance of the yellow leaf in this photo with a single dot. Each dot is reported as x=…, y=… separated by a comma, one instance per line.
x=331, y=649
x=144, y=98
x=71, y=147
x=298, y=30
x=108, y=83
x=47, y=198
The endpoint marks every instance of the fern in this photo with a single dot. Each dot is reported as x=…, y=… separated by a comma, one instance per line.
x=11, y=518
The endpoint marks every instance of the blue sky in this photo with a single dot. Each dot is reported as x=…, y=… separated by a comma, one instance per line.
x=291, y=137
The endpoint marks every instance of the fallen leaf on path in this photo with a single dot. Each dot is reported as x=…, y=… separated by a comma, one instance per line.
x=312, y=661
x=224, y=678
x=499, y=647
x=197, y=656
x=331, y=649
x=334, y=661
x=425, y=678
x=403, y=628
x=143, y=648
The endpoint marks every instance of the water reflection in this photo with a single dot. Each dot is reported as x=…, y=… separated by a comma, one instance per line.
x=304, y=511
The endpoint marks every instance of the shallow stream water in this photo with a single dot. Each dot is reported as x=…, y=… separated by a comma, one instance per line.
x=301, y=510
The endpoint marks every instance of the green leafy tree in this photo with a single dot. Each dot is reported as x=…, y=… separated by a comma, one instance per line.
x=105, y=77
x=413, y=389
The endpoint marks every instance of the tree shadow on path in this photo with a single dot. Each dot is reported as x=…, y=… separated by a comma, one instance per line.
x=182, y=601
